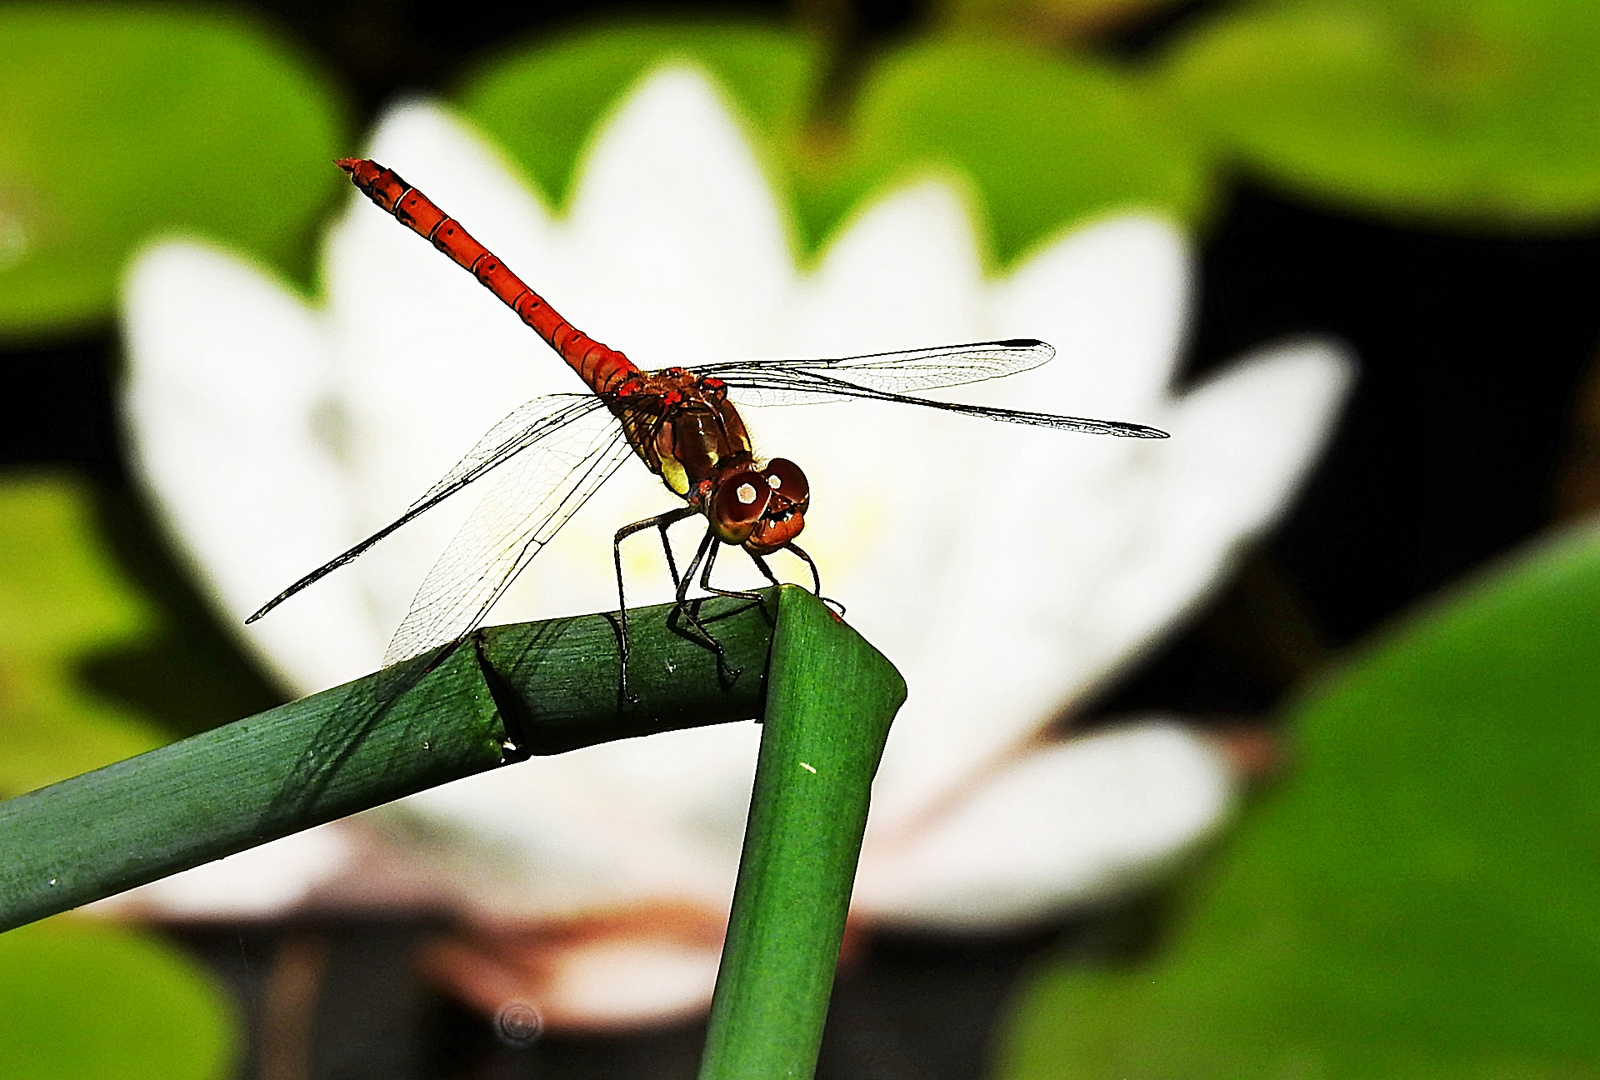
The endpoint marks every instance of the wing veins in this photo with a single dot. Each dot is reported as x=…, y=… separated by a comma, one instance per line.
x=418, y=632
x=814, y=382
x=887, y=371
x=452, y=482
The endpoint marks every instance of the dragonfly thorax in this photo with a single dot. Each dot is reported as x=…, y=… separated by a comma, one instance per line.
x=692, y=436
x=684, y=427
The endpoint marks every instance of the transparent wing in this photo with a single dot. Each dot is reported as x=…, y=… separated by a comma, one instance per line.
x=804, y=382
x=893, y=376
x=528, y=501
x=529, y=423
x=542, y=420
x=1084, y=424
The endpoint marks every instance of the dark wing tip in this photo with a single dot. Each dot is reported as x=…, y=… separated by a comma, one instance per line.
x=1124, y=430
x=271, y=605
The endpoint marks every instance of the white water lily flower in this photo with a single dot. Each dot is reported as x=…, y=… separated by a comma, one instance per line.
x=1006, y=571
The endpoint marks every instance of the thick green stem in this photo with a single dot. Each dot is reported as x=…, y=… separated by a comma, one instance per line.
x=830, y=698
x=508, y=692
x=826, y=699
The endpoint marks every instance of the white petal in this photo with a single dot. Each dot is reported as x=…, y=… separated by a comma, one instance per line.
x=685, y=255
x=629, y=822
x=1113, y=298
x=902, y=273
x=611, y=984
x=997, y=530
x=1242, y=444
x=229, y=375
x=1099, y=563
x=886, y=480
x=263, y=882
x=1063, y=826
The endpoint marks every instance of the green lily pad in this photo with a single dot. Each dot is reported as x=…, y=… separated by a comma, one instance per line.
x=542, y=104
x=61, y=601
x=1420, y=896
x=1047, y=141
x=1481, y=114
x=81, y=1000
x=123, y=122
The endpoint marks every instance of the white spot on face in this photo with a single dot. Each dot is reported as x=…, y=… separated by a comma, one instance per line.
x=746, y=493
x=774, y=483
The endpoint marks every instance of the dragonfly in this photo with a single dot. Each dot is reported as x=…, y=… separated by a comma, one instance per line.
x=550, y=455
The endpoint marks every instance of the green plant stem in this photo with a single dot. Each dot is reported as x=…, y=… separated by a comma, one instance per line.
x=826, y=698
x=505, y=694
x=830, y=699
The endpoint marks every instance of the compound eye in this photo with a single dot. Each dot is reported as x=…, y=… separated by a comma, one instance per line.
x=737, y=506
x=785, y=478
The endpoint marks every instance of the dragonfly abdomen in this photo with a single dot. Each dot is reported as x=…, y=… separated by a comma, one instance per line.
x=600, y=367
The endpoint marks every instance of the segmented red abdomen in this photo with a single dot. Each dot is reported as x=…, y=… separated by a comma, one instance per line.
x=600, y=367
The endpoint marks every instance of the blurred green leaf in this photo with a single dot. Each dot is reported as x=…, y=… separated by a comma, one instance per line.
x=1419, y=898
x=121, y=122
x=1485, y=114
x=61, y=600
x=1048, y=141
x=542, y=104
x=81, y=1000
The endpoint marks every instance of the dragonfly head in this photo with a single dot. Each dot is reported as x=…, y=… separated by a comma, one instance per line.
x=762, y=509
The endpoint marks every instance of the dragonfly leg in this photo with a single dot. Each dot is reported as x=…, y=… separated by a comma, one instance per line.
x=666, y=546
x=660, y=521
x=686, y=610
x=816, y=577
x=766, y=571
x=742, y=594
x=700, y=553
x=800, y=553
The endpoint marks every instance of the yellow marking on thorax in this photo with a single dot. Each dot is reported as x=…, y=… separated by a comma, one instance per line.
x=675, y=476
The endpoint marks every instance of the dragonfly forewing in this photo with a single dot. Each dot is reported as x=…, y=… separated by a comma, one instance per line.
x=529, y=423
x=906, y=371
x=897, y=376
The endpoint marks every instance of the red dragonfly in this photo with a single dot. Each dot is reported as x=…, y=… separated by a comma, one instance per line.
x=680, y=423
